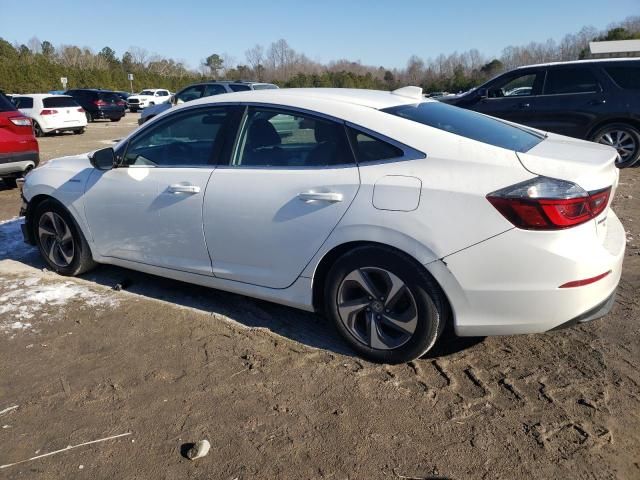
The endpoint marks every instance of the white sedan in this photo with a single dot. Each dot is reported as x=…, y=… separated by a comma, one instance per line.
x=52, y=113
x=391, y=214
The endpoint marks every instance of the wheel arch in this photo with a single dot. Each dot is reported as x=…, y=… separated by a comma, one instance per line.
x=635, y=123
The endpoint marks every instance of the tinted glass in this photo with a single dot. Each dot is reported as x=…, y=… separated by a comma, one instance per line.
x=210, y=90
x=237, y=87
x=23, y=102
x=109, y=97
x=519, y=86
x=146, y=92
x=190, y=93
x=369, y=149
x=5, y=104
x=264, y=86
x=60, y=102
x=179, y=141
x=625, y=76
x=469, y=124
x=162, y=93
x=277, y=138
x=570, y=80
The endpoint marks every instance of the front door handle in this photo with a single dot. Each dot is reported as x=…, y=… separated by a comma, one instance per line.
x=331, y=197
x=180, y=188
x=599, y=101
x=524, y=105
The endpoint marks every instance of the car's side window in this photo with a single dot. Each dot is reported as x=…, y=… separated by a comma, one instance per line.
x=24, y=102
x=190, y=93
x=210, y=90
x=520, y=86
x=238, y=87
x=280, y=138
x=184, y=139
x=570, y=80
x=370, y=149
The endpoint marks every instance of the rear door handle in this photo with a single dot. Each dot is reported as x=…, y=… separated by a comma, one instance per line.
x=331, y=197
x=600, y=101
x=180, y=188
x=524, y=105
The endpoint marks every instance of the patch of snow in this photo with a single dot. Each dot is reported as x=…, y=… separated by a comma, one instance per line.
x=11, y=242
x=26, y=301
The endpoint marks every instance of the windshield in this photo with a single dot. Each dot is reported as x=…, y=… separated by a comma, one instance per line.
x=469, y=124
x=60, y=102
x=146, y=92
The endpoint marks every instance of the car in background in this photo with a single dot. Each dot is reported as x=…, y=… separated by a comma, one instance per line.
x=597, y=100
x=19, y=150
x=200, y=90
x=52, y=113
x=392, y=214
x=124, y=96
x=98, y=104
x=147, y=98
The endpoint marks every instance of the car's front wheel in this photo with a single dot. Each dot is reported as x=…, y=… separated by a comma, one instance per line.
x=37, y=130
x=387, y=308
x=623, y=138
x=60, y=241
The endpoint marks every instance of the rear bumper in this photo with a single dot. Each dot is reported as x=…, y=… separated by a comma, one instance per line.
x=17, y=163
x=510, y=283
x=109, y=114
x=595, y=313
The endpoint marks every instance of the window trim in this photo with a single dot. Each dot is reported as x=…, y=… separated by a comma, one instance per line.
x=218, y=145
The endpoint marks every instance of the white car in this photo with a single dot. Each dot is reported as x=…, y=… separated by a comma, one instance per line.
x=392, y=214
x=148, y=97
x=52, y=113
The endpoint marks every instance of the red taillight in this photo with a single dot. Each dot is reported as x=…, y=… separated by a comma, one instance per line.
x=81, y=110
x=48, y=111
x=121, y=103
x=548, y=204
x=99, y=103
x=586, y=281
x=21, y=121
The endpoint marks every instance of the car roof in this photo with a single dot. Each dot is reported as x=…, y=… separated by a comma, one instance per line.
x=41, y=95
x=376, y=99
x=581, y=62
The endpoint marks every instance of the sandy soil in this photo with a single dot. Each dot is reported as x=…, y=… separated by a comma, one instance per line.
x=279, y=395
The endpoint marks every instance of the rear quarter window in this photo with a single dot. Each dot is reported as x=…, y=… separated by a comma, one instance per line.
x=5, y=104
x=59, y=102
x=627, y=77
x=23, y=102
x=468, y=124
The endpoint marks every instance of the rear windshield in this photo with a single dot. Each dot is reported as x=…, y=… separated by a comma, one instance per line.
x=109, y=97
x=469, y=124
x=5, y=104
x=59, y=102
x=625, y=76
x=236, y=87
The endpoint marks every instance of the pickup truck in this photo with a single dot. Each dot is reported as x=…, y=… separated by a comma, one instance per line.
x=148, y=97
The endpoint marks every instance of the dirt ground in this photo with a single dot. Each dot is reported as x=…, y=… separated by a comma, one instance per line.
x=279, y=395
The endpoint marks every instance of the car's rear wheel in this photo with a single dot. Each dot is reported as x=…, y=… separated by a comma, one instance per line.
x=79, y=131
x=89, y=117
x=10, y=182
x=60, y=241
x=385, y=306
x=37, y=129
x=624, y=138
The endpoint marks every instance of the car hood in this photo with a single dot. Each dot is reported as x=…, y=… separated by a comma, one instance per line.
x=71, y=162
x=590, y=165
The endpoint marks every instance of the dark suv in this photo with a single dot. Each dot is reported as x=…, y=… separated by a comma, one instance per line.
x=99, y=104
x=597, y=100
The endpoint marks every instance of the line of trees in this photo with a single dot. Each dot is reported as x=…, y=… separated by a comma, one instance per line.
x=37, y=66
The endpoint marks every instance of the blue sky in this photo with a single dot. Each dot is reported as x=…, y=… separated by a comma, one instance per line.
x=374, y=32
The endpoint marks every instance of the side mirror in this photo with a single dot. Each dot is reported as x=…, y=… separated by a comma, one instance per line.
x=104, y=159
x=483, y=92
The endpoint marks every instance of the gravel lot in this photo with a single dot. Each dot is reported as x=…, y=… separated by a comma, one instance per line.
x=279, y=395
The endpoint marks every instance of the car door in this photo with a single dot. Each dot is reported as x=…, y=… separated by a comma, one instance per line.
x=513, y=96
x=290, y=180
x=572, y=99
x=149, y=209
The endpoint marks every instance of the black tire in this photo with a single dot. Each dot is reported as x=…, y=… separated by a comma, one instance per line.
x=82, y=261
x=37, y=130
x=10, y=182
x=79, y=132
x=115, y=119
x=89, y=117
x=633, y=140
x=428, y=300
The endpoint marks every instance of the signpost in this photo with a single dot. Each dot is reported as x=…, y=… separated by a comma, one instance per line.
x=130, y=77
x=63, y=81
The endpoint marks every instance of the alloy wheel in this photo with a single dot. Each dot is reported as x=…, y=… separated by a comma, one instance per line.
x=56, y=239
x=377, y=308
x=622, y=141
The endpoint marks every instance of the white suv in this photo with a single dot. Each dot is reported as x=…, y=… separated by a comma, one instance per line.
x=148, y=97
x=52, y=113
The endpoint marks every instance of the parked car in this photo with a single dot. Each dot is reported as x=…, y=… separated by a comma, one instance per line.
x=124, y=96
x=19, y=151
x=52, y=113
x=147, y=98
x=199, y=90
x=99, y=104
x=392, y=214
x=597, y=100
